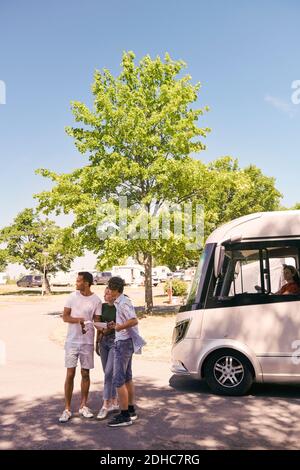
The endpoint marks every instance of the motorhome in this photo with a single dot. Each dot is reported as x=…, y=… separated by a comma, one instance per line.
x=3, y=278
x=132, y=274
x=63, y=278
x=236, y=328
x=163, y=273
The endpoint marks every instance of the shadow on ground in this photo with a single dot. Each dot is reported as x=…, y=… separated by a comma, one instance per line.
x=185, y=415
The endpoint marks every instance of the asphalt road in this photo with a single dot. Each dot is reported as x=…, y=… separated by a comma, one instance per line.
x=174, y=413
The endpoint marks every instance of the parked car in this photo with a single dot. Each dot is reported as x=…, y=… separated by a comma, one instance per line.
x=102, y=278
x=30, y=280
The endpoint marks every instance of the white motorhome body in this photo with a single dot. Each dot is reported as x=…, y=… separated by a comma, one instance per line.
x=235, y=327
x=3, y=278
x=132, y=274
x=63, y=279
x=161, y=272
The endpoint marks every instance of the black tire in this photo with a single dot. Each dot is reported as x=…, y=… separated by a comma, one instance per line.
x=228, y=372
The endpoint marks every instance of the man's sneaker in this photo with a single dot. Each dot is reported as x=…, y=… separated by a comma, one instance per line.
x=103, y=412
x=66, y=415
x=86, y=412
x=133, y=415
x=119, y=420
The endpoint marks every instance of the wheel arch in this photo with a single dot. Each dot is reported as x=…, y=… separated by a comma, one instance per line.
x=250, y=357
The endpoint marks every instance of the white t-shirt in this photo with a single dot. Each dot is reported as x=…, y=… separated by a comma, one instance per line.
x=82, y=306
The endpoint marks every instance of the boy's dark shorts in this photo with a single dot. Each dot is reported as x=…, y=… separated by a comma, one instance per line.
x=123, y=362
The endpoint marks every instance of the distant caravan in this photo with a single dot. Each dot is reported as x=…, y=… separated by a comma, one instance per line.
x=241, y=323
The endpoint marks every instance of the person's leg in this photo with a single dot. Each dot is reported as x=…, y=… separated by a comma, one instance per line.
x=123, y=353
x=87, y=362
x=121, y=360
x=85, y=386
x=69, y=385
x=130, y=392
x=128, y=380
x=123, y=397
x=104, y=354
x=109, y=387
x=71, y=359
x=108, y=384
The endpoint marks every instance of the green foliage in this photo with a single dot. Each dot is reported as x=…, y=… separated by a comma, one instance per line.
x=179, y=287
x=139, y=137
x=29, y=237
x=4, y=259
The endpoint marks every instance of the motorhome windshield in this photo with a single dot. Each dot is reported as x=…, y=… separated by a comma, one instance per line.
x=200, y=275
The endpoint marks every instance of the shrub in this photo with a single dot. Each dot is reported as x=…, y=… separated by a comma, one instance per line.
x=179, y=288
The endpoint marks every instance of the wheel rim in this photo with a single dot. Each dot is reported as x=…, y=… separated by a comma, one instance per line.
x=228, y=371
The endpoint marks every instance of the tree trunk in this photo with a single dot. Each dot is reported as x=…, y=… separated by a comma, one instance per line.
x=148, y=283
x=47, y=285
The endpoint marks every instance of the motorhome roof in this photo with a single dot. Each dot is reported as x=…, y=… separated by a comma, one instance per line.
x=259, y=225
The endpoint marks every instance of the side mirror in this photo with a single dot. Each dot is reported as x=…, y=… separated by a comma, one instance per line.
x=219, y=258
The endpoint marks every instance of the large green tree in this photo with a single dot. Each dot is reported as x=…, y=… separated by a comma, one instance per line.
x=139, y=138
x=141, y=129
x=39, y=244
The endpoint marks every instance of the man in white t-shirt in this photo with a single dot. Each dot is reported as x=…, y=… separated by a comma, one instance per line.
x=81, y=309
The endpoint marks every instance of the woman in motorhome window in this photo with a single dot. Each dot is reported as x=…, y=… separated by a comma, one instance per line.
x=292, y=285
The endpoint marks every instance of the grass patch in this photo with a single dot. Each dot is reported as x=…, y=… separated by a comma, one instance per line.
x=30, y=292
x=156, y=330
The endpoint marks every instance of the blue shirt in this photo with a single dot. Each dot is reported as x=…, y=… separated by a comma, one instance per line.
x=125, y=311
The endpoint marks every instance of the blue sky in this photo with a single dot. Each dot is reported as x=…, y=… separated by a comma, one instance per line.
x=245, y=54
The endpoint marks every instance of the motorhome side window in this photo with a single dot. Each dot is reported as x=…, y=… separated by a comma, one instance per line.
x=258, y=270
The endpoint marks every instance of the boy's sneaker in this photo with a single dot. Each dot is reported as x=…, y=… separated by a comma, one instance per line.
x=86, y=412
x=66, y=415
x=133, y=415
x=120, y=420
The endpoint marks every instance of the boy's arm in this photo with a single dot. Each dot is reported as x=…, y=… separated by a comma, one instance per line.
x=123, y=326
x=128, y=317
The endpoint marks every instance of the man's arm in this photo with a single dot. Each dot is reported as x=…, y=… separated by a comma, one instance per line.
x=67, y=317
x=128, y=324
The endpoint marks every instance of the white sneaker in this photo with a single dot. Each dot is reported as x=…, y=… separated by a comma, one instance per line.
x=103, y=412
x=115, y=407
x=86, y=412
x=66, y=415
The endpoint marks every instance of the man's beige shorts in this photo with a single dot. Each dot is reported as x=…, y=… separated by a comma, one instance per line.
x=83, y=352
